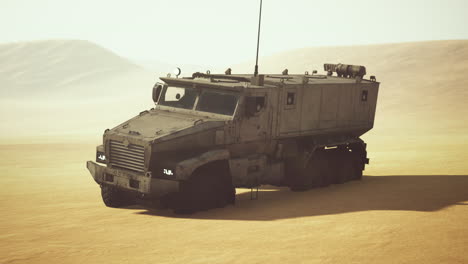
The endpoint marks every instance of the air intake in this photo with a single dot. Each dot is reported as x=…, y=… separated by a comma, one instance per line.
x=131, y=157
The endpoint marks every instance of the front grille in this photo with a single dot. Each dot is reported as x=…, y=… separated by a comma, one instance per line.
x=130, y=158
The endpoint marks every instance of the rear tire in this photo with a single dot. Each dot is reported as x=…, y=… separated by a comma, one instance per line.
x=303, y=178
x=298, y=178
x=359, y=155
x=333, y=170
x=358, y=167
x=346, y=168
x=326, y=174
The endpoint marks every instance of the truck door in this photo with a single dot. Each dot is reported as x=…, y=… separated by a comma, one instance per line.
x=254, y=125
x=289, y=110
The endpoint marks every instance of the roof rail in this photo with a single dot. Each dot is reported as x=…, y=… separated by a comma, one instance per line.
x=220, y=76
x=280, y=77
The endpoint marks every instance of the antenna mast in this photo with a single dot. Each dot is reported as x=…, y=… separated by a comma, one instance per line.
x=258, y=38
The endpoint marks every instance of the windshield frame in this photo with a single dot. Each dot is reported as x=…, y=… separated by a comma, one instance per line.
x=193, y=110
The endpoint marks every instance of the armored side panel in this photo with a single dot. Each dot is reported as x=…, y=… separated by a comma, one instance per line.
x=321, y=108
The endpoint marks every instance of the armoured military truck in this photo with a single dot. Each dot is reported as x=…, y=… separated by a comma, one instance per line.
x=211, y=133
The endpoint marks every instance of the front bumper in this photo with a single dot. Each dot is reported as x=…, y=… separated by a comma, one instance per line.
x=151, y=187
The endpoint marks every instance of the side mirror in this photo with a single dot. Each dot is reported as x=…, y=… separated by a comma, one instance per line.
x=157, y=92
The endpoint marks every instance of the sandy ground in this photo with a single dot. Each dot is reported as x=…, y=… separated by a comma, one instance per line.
x=53, y=213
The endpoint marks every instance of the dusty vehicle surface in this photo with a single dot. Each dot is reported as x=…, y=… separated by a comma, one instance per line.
x=211, y=133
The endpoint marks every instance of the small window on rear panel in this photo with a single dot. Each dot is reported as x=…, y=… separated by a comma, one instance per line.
x=364, y=96
x=290, y=99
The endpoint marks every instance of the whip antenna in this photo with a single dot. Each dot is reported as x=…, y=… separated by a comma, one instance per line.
x=258, y=38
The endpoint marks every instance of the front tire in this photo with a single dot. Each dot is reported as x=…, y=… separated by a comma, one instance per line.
x=113, y=197
x=209, y=187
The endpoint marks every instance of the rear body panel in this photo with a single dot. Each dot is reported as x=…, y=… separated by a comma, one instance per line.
x=324, y=108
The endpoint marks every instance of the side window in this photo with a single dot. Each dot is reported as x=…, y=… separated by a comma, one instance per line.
x=364, y=95
x=290, y=99
x=174, y=94
x=259, y=102
x=254, y=104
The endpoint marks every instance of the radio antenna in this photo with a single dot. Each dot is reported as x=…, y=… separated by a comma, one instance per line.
x=258, y=39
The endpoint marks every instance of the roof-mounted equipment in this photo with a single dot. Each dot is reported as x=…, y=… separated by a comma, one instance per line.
x=345, y=70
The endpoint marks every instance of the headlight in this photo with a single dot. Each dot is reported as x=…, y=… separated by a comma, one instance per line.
x=101, y=157
x=168, y=172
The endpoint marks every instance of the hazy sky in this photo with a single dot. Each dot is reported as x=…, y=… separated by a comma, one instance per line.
x=211, y=32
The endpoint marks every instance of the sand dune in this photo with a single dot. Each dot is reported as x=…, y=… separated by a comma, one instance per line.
x=37, y=67
x=67, y=88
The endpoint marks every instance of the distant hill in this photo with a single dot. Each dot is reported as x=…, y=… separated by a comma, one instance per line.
x=53, y=63
x=56, y=87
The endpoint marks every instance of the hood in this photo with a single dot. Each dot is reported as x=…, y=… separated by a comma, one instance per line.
x=156, y=124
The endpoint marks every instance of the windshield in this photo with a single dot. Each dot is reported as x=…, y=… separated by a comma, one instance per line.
x=178, y=97
x=218, y=103
x=209, y=101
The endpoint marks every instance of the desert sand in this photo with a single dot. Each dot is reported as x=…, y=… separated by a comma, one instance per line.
x=53, y=213
x=410, y=207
